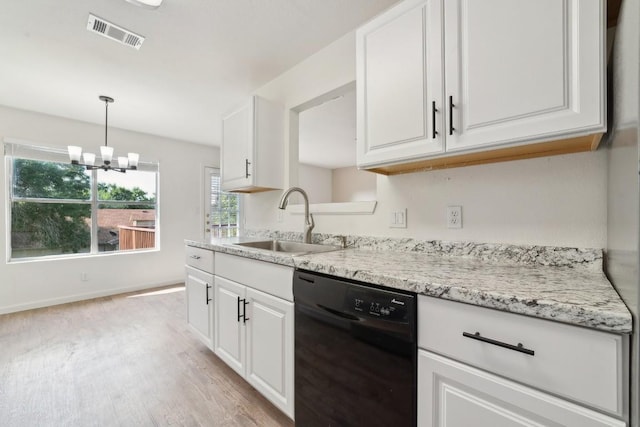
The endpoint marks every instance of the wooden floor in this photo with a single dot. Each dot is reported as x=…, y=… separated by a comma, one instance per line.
x=127, y=360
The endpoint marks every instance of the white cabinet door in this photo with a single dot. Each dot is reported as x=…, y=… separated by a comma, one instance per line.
x=237, y=148
x=270, y=348
x=229, y=336
x=452, y=394
x=253, y=147
x=199, y=287
x=521, y=70
x=399, y=82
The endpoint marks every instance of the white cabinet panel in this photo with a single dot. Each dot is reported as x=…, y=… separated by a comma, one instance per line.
x=270, y=348
x=449, y=83
x=577, y=363
x=451, y=394
x=229, y=331
x=199, y=290
x=237, y=150
x=199, y=258
x=398, y=80
x=253, y=147
x=267, y=277
x=254, y=329
x=520, y=70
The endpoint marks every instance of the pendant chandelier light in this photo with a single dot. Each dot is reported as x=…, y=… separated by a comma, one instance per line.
x=106, y=153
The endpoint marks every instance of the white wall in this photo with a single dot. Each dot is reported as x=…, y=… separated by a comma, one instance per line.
x=40, y=283
x=352, y=185
x=557, y=200
x=316, y=181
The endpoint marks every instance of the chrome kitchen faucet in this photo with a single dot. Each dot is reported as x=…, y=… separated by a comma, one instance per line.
x=308, y=218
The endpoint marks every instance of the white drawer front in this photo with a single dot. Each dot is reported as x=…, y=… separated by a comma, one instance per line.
x=578, y=363
x=201, y=259
x=264, y=276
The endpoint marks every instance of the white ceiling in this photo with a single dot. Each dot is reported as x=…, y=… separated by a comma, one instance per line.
x=200, y=58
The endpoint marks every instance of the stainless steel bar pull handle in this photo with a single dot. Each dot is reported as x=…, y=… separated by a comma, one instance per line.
x=239, y=315
x=520, y=348
x=451, y=105
x=433, y=119
x=195, y=256
x=208, y=299
x=246, y=168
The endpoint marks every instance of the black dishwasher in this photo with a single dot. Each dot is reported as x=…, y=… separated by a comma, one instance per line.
x=355, y=353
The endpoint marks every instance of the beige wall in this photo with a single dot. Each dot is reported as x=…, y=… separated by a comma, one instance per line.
x=40, y=283
x=557, y=200
x=352, y=185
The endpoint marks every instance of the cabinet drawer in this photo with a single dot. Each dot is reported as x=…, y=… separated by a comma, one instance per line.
x=201, y=259
x=271, y=278
x=578, y=363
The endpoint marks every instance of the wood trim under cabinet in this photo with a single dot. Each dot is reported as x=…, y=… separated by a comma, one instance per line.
x=529, y=151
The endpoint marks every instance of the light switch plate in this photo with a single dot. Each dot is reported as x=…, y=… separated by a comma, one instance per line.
x=398, y=218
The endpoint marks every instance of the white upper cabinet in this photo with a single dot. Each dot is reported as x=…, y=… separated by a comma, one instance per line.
x=253, y=147
x=522, y=70
x=399, y=75
x=448, y=79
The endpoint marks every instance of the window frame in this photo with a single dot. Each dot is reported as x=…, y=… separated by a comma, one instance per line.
x=48, y=154
x=209, y=172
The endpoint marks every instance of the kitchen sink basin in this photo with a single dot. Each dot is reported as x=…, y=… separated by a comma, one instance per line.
x=287, y=246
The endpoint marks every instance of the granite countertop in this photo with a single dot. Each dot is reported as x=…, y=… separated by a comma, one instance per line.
x=561, y=284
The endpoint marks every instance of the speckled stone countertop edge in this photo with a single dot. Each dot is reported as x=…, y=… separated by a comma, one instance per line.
x=611, y=316
x=601, y=308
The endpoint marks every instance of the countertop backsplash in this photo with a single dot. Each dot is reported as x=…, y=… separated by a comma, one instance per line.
x=492, y=252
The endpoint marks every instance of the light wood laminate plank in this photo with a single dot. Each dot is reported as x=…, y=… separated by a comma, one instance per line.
x=125, y=360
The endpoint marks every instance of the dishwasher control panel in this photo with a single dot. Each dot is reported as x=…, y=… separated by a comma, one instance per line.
x=378, y=304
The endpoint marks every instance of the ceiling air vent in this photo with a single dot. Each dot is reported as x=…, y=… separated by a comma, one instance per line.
x=114, y=32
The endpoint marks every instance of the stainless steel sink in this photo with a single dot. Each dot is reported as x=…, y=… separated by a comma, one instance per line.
x=287, y=246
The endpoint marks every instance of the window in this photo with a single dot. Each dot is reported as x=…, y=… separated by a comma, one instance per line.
x=57, y=208
x=223, y=208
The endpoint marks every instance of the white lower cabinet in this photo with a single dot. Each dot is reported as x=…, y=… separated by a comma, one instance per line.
x=229, y=331
x=254, y=329
x=199, y=286
x=199, y=292
x=483, y=367
x=452, y=394
x=269, y=347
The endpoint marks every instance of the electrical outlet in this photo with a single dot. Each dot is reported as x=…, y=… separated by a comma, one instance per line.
x=398, y=219
x=84, y=277
x=454, y=216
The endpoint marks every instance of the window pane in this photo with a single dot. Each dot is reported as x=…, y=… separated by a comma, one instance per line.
x=50, y=180
x=39, y=229
x=225, y=211
x=134, y=186
x=125, y=228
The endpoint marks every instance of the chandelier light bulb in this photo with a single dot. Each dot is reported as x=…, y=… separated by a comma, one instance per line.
x=133, y=160
x=106, y=153
x=74, y=153
x=89, y=159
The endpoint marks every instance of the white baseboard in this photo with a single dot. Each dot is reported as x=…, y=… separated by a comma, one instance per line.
x=85, y=296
